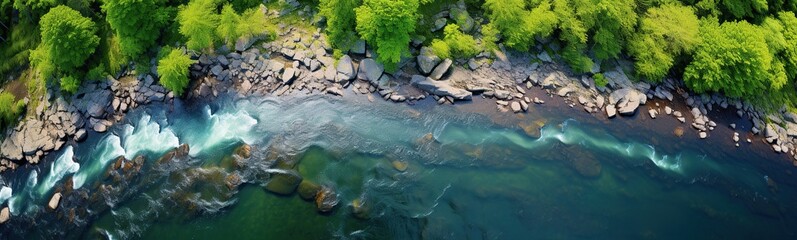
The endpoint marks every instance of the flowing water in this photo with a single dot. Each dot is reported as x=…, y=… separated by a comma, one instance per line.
x=399, y=172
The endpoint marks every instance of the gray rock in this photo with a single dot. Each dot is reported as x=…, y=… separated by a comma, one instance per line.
x=80, y=135
x=441, y=69
x=372, y=70
x=223, y=60
x=440, y=23
x=346, y=68
x=359, y=47
x=288, y=75
x=516, y=107
x=216, y=70
x=611, y=111
x=314, y=65
x=440, y=88
x=427, y=61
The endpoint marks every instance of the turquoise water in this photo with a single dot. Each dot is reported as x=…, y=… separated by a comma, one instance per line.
x=467, y=176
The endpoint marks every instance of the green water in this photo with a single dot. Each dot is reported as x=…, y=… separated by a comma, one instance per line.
x=466, y=177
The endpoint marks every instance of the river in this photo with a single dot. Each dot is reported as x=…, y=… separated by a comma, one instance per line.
x=414, y=172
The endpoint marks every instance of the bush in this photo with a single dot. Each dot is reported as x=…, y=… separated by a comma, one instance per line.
x=600, y=80
x=441, y=49
x=9, y=109
x=173, y=71
x=70, y=84
x=462, y=45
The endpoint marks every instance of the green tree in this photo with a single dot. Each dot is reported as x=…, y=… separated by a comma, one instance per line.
x=68, y=39
x=198, y=21
x=137, y=23
x=788, y=53
x=612, y=23
x=386, y=25
x=733, y=58
x=173, y=71
x=253, y=24
x=664, y=33
x=228, y=20
x=341, y=21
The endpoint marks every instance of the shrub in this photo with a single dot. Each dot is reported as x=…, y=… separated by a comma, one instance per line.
x=9, y=109
x=70, y=84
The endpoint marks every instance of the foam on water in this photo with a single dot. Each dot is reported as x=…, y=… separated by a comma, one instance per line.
x=5, y=194
x=108, y=149
x=220, y=128
x=147, y=136
x=18, y=202
x=58, y=170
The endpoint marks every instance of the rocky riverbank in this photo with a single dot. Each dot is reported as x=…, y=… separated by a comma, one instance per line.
x=299, y=60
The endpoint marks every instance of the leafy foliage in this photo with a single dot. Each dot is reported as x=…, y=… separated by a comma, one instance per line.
x=341, y=21
x=462, y=45
x=9, y=109
x=198, y=21
x=664, y=33
x=173, y=71
x=68, y=39
x=733, y=58
x=386, y=25
x=519, y=24
x=137, y=23
x=600, y=80
x=70, y=84
x=228, y=20
x=441, y=49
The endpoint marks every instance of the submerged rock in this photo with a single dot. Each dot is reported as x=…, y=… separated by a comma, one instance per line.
x=326, y=199
x=308, y=190
x=399, y=165
x=284, y=182
x=54, y=201
x=233, y=181
x=244, y=151
x=4, y=215
x=360, y=208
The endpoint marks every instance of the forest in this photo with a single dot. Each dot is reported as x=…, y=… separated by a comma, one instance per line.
x=741, y=48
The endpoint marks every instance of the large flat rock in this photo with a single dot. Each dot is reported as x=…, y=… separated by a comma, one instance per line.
x=440, y=88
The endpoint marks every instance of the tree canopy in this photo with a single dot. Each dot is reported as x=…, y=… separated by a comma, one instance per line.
x=341, y=21
x=664, y=33
x=198, y=23
x=173, y=71
x=137, y=23
x=386, y=25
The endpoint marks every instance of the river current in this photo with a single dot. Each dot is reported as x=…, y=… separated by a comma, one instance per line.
x=399, y=172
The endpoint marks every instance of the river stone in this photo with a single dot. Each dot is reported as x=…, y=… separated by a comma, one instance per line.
x=284, y=182
x=611, y=111
x=360, y=208
x=399, y=165
x=308, y=190
x=244, y=151
x=516, y=107
x=427, y=61
x=359, y=47
x=4, y=215
x=53, y=204
x=441, y=69
x=80, y=135
x=326, y=199
x=703, y=135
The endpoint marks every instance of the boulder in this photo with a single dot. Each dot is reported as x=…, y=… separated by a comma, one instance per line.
x=54, y=201
x=464, y=20
x=359, y=47
x=346, y=69
x=441, y=69
x=326, y=199
x=401, y=166
x=611, y=111
x=427, y=61
x=440, y=88
x=284, y=182
x=372, y=70
x=80, y=135
x=288, y=75
x=308, y=190
x=244, y=151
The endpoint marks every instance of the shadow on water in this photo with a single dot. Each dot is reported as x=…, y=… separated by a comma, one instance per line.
x=263, y=167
